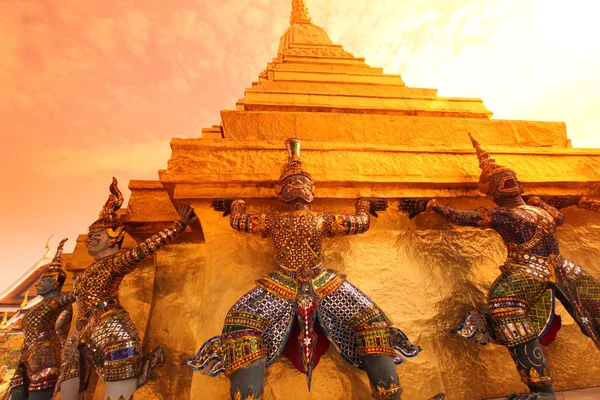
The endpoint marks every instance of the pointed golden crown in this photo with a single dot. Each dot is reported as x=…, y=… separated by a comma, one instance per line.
x=294, y=166
x=487, y=164
x=55, y=267
x=108, y=215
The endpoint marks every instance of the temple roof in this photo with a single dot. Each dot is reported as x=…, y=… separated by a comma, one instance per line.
x=12, y=297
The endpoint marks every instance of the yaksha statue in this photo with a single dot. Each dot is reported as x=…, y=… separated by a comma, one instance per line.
x=45, y=328
x=104, y=338
x=521, y=300
x=257, y=327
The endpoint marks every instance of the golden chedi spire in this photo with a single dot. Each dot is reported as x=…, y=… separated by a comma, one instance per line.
x=299, y=13
x=313, y=74
x=302, y=32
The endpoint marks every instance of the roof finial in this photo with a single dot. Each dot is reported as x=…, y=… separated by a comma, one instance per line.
x=4, y=320
x=299, y=13
x=24, y=303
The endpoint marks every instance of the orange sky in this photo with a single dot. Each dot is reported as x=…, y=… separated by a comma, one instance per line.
x=93, y=88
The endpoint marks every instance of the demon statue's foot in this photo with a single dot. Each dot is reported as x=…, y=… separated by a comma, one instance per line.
x=41, y=394
x=532, y=396
x=531, y=364
x=383, y=378
x=248, y=383
x=18, y=393
x=123, y=389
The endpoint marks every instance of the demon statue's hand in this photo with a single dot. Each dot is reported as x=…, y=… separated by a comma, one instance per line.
x=377, y=204
x=532, y=396
x=187, y=215
x=558, y=202
x=413, y=206
x=223, y=205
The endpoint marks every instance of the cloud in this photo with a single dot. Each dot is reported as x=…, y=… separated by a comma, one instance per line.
x=526, y=59
x=136, y=160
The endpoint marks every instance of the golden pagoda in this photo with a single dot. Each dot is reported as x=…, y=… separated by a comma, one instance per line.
x=364, y=133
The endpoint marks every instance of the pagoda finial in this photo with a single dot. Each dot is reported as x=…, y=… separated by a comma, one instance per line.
x=299, y=13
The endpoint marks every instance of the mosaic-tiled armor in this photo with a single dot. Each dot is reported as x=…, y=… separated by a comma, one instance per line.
x=44, y=330
x=258, y=326
x=521, y=300
x=104, y=334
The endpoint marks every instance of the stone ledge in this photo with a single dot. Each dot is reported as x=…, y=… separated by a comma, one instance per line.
x=377, y=130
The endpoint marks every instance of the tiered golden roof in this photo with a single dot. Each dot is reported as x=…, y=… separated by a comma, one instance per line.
x=394, y=140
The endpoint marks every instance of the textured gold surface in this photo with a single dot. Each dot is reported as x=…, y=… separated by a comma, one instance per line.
x=424, y=273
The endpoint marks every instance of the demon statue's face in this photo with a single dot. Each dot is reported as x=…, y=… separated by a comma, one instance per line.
x=294, y=188
x=503, y=184
x=97, y=241
x=46, y=284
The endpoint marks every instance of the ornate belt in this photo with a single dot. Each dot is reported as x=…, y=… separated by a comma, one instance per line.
x=571, y=269
x=540, y=267
x=303, y=273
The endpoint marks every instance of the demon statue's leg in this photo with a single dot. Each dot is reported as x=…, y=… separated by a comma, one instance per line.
x=534, y=371
x=258, y=319
x=41, y=394
x=18, y=393
x=69, y=389
x=588, y=289
x=383, y=377
x=520, y=307
x=248, y=383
